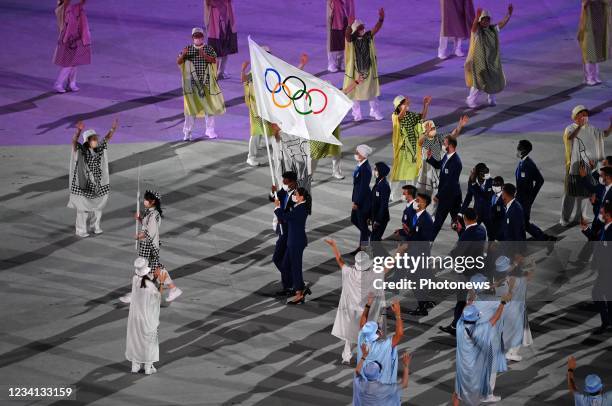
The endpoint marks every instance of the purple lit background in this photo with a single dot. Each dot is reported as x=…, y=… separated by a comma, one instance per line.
x=134, y=75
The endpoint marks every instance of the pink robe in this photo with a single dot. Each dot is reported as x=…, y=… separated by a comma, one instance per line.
x=221, y=26
x=74, y=42
x=457, y=18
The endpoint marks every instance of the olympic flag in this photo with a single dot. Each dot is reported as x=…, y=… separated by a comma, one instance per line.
x=300, y=103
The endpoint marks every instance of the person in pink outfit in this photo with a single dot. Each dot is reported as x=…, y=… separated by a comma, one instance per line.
x=221, y=29
x=73, y=45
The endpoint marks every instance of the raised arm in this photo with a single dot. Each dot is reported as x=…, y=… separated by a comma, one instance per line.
x=426, y=103
x=462, y=122
x=366, y=310
x=476, y=18
x=182, y=56
x=353, y=84
x=500, y=309
x=303, y=61
x=571, y=382
x=348, y=34
x=399, y=324
x=379, y=23
x=77, y=134
x=503, y=22
x=112, y=130
x=364, y=354
x=334, y=247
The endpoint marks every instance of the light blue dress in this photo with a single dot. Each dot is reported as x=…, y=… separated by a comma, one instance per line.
x=587, y=400
x=475, y=360
x=367, y=393
x=487, y=306
x=386, y=355
x=514, y=323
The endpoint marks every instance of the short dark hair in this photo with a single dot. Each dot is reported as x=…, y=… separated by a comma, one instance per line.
x=509, y=188
x=290, y=175
x=607, y=170
x=425, y=197
x=451, y=141
x=525, y=145
x=412, y=191
x=470, y=214
x=498, y=180
x=609, y=159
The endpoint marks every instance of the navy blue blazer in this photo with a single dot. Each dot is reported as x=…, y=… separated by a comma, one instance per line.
x=286, y=204
x=422, y=229
x=380, y=201
x=407, y=220
x=529, y=181
x=599, y=190
x=513, y=228
x=296, y=219
x=361, y=187
x=471, y=243
x=474, y=233
x=498, y=215
x=482, y=198
x=450, y=170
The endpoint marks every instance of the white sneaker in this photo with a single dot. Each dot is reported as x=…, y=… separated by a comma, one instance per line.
x=563, y=223
x=252, y=162
x=150, y=369
x=74, y=87
x=357, y=118
x=376, y=115
x=174, y=293
x=492, y=102
x=98, y=231
x=512, y=356
x=211, y=134
x=442, y=56
x=491, y=399
x=127, y=298
x=82, y=235
x=187, y=137
x=591, y=82
x=459, y=52
x=59, y=89
x=332, y=69
x=470, y=104
x=135, y=367
x=337, y=175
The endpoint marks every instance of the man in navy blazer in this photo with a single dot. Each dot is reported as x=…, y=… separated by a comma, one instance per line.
x=529, y=181
x=480, y=189
x=409, y=193
x=602, y=192
x=282, y=227
x=361, y=202
x=419, y=243
x=513, y=227
x=380, y=201
x=497, y=210
x=449, y=190
x=471, y=243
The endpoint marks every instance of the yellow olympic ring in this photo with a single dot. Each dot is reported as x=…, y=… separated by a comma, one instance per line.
x=286, y=88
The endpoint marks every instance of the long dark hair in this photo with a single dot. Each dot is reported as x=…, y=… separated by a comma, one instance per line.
x=150, y=196
x=143, y=281
x=307, y=199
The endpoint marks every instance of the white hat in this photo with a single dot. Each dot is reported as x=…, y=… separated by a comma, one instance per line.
x=362, y=261
x=356, y=24
x=88, y=133
x=579, y=108
x=141, y=266
x=196, y=30
x=485, y=13
x=364, y=150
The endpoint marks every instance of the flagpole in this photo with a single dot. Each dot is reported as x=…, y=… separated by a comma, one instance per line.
x=137, y=207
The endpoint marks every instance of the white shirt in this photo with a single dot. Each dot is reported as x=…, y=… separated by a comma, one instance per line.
x=607, y=189
x=362, y=162
x=470, y=225
x=418, y=214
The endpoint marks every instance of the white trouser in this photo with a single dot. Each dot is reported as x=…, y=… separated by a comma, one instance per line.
x=335, y=59
x=567, y=207
x=168, y=280
x=374, y=108
x=336, y=162
x=88, y=220
x=66, y=75
x=492, y=380
x=444, y=45
x=591, y=72
x=347, y=353
x=253, y=146
x=474, y=93
x=190, y=124
x=222, y=65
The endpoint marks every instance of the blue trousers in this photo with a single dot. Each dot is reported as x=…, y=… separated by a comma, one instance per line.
x=360, y=220
x=279, y=254
x=445, y=207
x=292, y=267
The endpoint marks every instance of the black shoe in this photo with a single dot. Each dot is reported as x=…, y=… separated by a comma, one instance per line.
x=430, y=304
x=354, y=252
x=307, y=291
x=419, y=312
x=449, y=330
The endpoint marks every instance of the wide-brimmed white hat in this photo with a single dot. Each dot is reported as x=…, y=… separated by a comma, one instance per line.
x=141, y=266
x=485, y=13
x=578, y=109
x=88, y=133
x=356, y=24
x=197, y=30
x=362, y=261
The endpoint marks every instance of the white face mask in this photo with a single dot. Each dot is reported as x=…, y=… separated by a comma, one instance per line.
x=496, y=189
x=518, y=154
x=602, y=181
x=601, y=218
x=294, y=198
x=585, y=120
x=198, y=41
x=375, y=173
x=285, y=187
x=444, y=149
x=415, y=205
x=487, y=176
x=357, y=158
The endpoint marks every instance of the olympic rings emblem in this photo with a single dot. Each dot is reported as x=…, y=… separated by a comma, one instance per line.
x=282, y=86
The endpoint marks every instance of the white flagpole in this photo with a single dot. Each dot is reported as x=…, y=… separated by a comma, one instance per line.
x=137, y=207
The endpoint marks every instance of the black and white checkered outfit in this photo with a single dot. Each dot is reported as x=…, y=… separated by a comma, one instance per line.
x=93, y=161
x=202, y=71
x=146, y=247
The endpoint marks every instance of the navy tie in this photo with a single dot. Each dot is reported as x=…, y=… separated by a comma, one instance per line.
x=444, y=160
